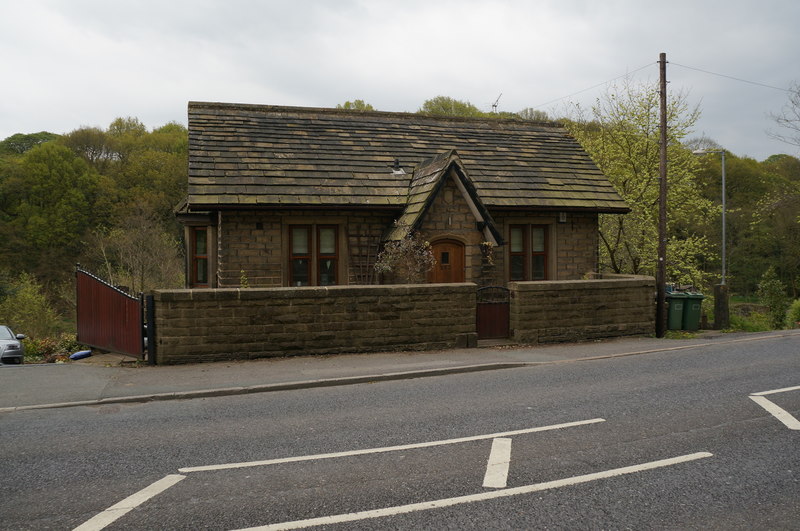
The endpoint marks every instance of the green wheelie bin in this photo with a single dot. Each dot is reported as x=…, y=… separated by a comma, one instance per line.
x=676, y=303
x=692, y=311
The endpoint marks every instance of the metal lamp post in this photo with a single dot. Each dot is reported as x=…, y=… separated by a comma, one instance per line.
x=721, y=311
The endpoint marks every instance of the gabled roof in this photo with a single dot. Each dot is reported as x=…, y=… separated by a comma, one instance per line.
x=427, y=180
x=250, y=156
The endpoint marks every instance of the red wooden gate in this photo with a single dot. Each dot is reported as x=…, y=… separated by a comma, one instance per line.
x=108, y=318
x=493, y=313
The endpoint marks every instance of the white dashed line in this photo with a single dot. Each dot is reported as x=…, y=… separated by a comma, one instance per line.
x=775, y=391
x=490, y=495
x=367, y=451
x=131, y=502
x=497, y=468
x=773, y=409
x=118, y=510
x=777, y=412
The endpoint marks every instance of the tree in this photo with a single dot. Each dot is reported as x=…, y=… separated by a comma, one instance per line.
x=777, y=218
x=25, y=308
x=138, y=253
x=145, y=166
x=92, y=144
x=446, y=106
x=357, y=105
x=409, y=258
x=20, y=143
x=789, y=118
x=124, y=136
x=533, y=115
x=50, y=202
x=763, y=205
x=621, y=133
x=772, y=294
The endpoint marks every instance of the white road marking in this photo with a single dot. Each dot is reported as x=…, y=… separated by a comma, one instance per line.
x=366, y=451
x=489, y=495
x=497, y=468
x=131, y=502
x=777, y=412
x=774, y=391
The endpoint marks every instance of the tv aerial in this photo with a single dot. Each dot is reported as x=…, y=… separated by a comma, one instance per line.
x=494, y=105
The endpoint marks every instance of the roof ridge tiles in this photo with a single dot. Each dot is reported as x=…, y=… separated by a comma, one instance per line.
x=352, y=115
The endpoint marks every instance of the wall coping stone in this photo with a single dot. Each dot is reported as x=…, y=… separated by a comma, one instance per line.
x=615, y=282
x=316, y=292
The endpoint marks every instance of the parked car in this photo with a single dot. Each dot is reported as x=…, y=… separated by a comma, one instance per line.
x=11, y=348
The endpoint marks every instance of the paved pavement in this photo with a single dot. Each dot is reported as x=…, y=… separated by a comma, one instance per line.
x=109, y=378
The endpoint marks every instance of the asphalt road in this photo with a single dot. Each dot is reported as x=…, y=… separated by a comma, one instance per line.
x=670, y=440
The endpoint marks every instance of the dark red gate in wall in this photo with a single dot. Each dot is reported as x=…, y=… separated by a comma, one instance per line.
x=492, y=312
x=108, y=318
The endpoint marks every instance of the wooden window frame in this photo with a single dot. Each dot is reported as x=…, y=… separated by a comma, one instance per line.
x=527, y=252
x=314, y=256
x=196, y=257
x=307, y=256
x=327, y=256
x=523, y=253
x=545, y=253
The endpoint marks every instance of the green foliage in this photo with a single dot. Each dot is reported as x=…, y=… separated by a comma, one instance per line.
x=138, y=253
x=51, y=349
x=92, y=145
x=763, y=205
x=409, y=259
x=621, y=133
x=124, y=137
x=533, y=115
x=51, y=199
x=793, y=314
x=102, y=197
x=20, y=143
x=446, y=106
x=25, y=308
x=754, y=322
x=357, y=105
x=772, y=294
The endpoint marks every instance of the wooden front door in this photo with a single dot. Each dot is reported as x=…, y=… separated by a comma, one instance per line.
x=449, y=255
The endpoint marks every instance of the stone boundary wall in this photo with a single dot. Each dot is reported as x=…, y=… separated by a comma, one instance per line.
x=577, y=310
x=223, y=324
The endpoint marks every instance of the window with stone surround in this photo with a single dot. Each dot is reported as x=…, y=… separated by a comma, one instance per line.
x=528, y=250
x=313, y=255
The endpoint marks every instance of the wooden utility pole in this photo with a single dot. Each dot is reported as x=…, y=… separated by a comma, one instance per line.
x=661, y=272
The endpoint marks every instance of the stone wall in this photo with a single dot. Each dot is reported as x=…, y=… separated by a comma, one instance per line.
x=249, y=244
x=561, y=311
x=223, y=324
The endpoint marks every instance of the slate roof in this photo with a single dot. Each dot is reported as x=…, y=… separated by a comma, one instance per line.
x=250, y=156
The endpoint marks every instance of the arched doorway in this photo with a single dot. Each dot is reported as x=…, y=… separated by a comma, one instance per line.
x=449, y=255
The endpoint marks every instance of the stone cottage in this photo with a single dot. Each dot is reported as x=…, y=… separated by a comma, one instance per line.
x=289, y=196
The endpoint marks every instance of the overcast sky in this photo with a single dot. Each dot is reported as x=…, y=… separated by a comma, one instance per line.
x=72, y=63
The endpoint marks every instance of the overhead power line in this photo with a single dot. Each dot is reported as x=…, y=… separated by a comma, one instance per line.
x=672, y=63
x=626, y=74
x=730, y=77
